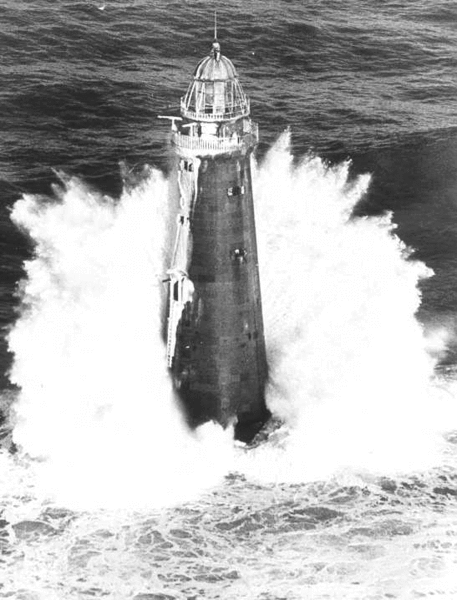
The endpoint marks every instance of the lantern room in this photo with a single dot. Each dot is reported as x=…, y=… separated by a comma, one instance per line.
x=215, y=93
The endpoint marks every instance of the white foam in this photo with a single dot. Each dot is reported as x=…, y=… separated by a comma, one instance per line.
x=96, y=401
x=351, y=371
x=351, y=374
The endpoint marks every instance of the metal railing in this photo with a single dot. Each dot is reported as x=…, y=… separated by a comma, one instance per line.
x=216, y=144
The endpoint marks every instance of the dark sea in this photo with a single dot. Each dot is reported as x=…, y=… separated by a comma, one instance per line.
x=104, y=492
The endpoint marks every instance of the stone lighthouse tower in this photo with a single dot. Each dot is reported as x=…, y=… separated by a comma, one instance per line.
x=216, y=345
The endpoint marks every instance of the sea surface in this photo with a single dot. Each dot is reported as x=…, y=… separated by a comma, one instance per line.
x=104, y=492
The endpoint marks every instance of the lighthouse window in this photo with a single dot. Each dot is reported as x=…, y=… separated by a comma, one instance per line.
x=187, y=165
x=228, y=96
x=219, y=96
x=236, y=190
x=238, y=255
x=209, y=97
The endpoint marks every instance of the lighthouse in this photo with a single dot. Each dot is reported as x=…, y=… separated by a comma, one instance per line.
x=215, y=333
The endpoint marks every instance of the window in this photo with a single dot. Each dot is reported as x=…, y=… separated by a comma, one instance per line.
x=187, y=165
x=236, y=190
x=238, y=255
x=219, y=96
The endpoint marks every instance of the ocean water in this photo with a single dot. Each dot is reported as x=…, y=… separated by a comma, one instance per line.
x=104, y=493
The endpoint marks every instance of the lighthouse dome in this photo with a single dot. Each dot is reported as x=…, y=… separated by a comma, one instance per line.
x=215, y=94
x=213, y=68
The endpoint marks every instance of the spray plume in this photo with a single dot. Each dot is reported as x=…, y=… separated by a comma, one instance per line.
x=96, y=402
x=350, y=374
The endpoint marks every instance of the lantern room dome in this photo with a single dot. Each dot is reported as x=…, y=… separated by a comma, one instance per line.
x=215, y=94
x=215, y=69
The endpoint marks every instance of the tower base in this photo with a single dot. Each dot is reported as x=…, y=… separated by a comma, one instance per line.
x=201, y=409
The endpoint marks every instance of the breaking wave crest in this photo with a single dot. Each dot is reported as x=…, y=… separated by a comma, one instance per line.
x=350, y=375
x=350, y=370
x=96, y=403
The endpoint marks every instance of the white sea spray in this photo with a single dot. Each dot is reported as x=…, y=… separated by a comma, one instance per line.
x=351, y=375
x=96, y=403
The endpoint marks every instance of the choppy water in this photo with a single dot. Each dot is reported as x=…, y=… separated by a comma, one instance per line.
x=109, y=496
